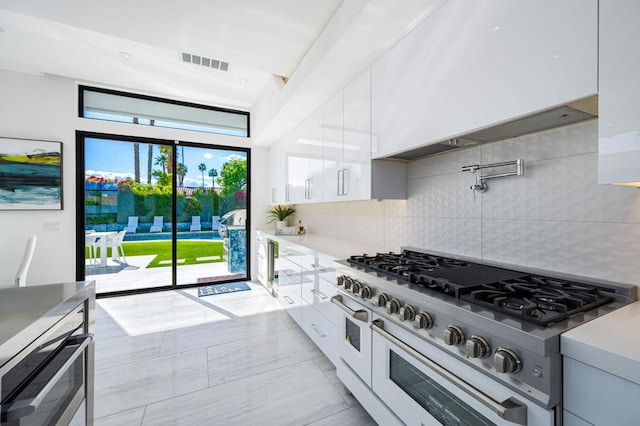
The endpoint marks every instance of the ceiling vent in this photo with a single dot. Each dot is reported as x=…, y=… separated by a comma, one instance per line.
x=205, y=62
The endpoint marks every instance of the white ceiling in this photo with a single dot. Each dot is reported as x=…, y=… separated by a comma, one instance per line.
x=137, y=45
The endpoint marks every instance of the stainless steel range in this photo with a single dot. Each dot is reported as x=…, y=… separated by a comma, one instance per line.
x=430, y=339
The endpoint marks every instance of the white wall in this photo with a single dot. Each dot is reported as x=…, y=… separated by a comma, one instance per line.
x=555, y=217
x=46, y=107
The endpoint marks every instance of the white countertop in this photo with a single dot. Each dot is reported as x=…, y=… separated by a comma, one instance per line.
x=609, y=343
x=339, y=249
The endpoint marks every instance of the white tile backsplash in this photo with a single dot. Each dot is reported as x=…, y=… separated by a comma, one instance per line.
x=555, y=217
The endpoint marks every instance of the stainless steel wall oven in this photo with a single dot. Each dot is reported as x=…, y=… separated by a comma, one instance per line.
x=51, y=378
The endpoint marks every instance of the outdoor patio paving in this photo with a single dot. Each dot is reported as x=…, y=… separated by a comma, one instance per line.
x=117, y=277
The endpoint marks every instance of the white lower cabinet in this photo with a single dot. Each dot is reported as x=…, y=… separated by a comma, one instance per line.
x=304, y=288
x=593, y=396
x=288, y=286
x=321, y=331
x=262, y=264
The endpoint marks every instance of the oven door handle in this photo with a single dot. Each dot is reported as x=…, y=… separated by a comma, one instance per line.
x=360, y=314
x=26, y=407
x=510, y=409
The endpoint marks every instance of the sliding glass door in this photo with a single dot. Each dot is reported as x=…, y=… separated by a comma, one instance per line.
x=212, y=211
x=160, y=215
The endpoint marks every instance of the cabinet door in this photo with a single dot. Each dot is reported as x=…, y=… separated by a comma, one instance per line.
x=297, y=164
x=262, y=261
x=357, y=138
x=288, y=287
x=333, y=119
x=473, y=64
x=315, y=157
x=277, y=177
x=619, y=93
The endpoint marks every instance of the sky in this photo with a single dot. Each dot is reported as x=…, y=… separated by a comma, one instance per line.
x=114, y=159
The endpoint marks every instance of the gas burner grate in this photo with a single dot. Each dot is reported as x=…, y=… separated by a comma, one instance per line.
x=541, y=300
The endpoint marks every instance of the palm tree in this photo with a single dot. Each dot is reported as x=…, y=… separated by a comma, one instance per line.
x=202, y=167
x=161, y=160
x=136, y=162
x=149, y=163
x=213, y=173
x=181, y=170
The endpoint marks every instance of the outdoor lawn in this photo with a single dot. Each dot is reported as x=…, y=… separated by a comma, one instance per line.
x=190, y=251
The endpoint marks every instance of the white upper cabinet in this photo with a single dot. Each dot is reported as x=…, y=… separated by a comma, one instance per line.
x=356, y=163
x=474, y=64
x=619, y=93
x=328, y=157
x=333, y=143
x=278, y=173
x=304, y=161
x=347, y=142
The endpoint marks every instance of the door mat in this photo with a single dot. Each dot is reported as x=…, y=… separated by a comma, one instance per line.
x=211, y=290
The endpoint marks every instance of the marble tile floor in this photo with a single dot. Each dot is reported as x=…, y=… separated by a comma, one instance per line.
x=173, y=358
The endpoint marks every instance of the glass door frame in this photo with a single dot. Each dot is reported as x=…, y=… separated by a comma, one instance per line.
x=175, y=144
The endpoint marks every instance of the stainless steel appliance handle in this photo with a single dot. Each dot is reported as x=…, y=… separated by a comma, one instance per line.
x=23, y=408
x=510, y=409
x=339, y=178
x=360, y=314
x=271, y=249
x=318, y=267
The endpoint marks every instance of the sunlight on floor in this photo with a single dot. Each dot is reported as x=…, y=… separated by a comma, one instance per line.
x=170, y=310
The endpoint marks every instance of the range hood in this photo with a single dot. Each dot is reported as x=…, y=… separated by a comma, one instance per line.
x=574, y=112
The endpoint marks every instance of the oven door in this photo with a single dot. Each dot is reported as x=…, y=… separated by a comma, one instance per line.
x=354, y=336
x=422, y=388
x=53, y=394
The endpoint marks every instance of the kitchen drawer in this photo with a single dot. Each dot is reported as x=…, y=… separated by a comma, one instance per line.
x=322, y=331
x=319, y=293
x=588, y=390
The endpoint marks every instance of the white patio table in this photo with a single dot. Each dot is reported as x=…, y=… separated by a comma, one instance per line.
x=103, y=246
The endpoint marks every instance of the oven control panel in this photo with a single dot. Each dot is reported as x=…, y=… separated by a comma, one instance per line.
x=448, y=329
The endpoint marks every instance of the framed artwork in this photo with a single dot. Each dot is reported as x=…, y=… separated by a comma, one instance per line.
x=30, y=174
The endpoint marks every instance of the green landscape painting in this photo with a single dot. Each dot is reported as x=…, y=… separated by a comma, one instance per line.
x=30, y=174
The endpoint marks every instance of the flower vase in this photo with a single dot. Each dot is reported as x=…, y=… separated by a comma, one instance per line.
x=281, y=224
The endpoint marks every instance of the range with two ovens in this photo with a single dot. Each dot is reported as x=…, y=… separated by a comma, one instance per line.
x=426, y=338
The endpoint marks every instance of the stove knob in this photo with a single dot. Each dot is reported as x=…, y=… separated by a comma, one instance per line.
x=348, y=282
x=477, y=347
x=365, y=292
x=383, y=299
x=423, y=320
x=453, y=335
x=355, y=287
x=506, y=361
x=393, y=306
x=407, y=313
x=340, y=280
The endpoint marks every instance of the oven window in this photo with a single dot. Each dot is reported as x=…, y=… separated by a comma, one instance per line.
x=352, y=334
x=439, y=402
x=23, y=409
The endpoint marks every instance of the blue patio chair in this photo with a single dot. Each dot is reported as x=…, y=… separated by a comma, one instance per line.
x=132, y=225
x=157, y=224
x=195, y=224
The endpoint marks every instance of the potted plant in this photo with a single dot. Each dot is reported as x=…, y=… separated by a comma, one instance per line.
x=280, y=215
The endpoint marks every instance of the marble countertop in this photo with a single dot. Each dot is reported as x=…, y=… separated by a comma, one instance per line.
x=339, y=249
x=608, y=343
x=26, y=312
